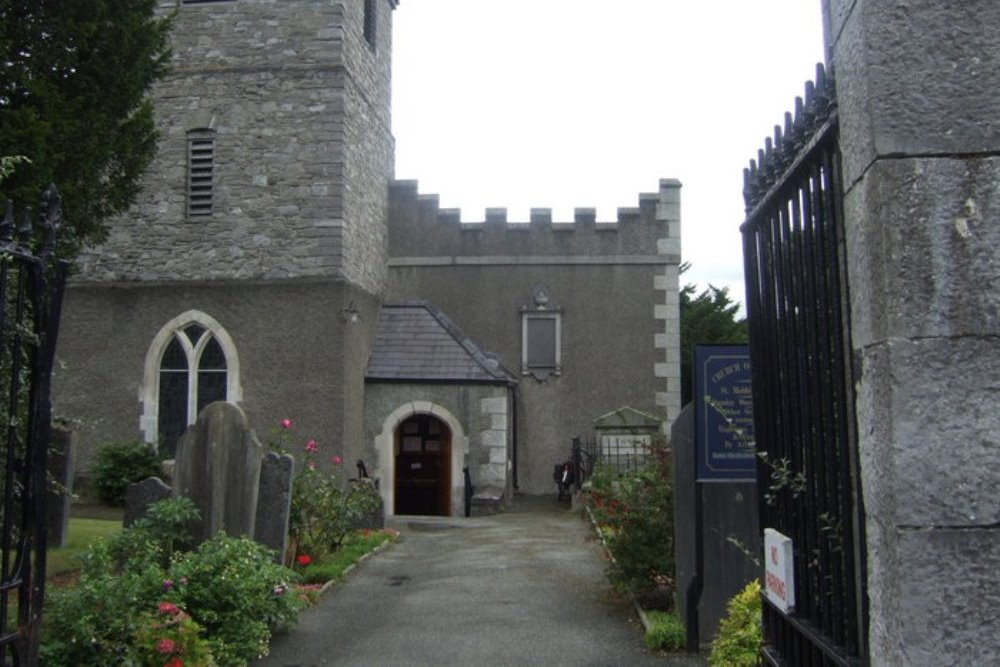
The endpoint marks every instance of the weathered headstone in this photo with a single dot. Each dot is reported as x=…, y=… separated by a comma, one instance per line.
x=274, y=501
x=60, y=466
x=139, y=496
x=218, y=466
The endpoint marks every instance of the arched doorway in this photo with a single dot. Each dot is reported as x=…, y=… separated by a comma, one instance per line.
x=423, y=466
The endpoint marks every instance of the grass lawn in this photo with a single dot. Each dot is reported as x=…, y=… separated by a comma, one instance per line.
x=82, y=533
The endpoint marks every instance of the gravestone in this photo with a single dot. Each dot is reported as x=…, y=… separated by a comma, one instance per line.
x=60, y=467
x=140, y=495
x=218, y=463
x=274, y=502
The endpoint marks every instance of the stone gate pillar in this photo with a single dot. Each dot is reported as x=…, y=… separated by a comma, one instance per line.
x=918, y=88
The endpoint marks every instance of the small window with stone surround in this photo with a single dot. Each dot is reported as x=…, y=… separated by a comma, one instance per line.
x=201, y=172
x=541, y=336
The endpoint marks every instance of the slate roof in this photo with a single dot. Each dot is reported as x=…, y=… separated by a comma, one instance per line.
x=415, y=341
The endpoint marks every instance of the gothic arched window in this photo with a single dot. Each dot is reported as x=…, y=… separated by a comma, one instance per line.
x=191, y=363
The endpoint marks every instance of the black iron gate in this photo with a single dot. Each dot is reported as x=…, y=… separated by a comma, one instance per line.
x=798, y=312
x=31, y=286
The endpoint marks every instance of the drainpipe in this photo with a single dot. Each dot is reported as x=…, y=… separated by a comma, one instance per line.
x=513, y=419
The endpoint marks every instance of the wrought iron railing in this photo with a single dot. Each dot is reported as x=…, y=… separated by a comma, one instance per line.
x=625, y=454
x=31, y=287
x=798, y=312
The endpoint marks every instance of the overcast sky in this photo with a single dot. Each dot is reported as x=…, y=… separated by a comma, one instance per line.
x=586, y=103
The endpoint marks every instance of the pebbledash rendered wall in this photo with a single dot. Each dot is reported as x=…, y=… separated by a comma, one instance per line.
x=299, y=102
x=917, y=86
x=615, y=285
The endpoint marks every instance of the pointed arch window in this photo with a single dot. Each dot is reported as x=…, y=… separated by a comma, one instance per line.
x=189, y=365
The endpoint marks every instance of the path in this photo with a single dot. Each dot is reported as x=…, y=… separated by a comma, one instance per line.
x=526, y=587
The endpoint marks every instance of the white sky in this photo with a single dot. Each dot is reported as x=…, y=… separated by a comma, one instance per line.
x=586, y=103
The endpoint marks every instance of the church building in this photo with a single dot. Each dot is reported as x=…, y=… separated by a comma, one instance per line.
x=273, y=261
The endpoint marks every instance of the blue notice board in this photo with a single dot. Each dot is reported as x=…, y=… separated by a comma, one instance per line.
x=723, y=413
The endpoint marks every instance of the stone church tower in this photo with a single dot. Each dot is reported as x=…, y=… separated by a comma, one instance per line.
x=272, y=261
x=253, y=264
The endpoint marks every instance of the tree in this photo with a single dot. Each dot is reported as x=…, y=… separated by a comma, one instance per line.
x=710, y=317
x=74, y=83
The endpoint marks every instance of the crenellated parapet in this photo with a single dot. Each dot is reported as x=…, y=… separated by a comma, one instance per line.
x=420, y=228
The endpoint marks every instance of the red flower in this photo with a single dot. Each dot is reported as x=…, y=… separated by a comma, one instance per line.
x=336, y=460
x=169, y=608
x=165, y=646
x=286, y=423
x=303, y=559
x=312, y=447
x=174, y=662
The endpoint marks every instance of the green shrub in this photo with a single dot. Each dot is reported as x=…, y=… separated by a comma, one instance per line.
x=322, y=513
x=666, y=632
x=169, y=636
x=739, y=640
x=233, y=588
x=93, y=623
x=640, y=514
x=119, y=464
x=230, y=587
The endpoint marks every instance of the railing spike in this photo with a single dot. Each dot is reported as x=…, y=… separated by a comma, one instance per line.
x=51, y=218
x=7, y=224
x=24, y=229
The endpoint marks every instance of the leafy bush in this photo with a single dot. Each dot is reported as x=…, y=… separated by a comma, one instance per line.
x=94, y=622
x=230, y=587
x=169, y=637
x=666, y=632
x=119, y=464
x=235, y=590
x=322, y=513
x=636, y=513
x=153, y=539
x=740, y=637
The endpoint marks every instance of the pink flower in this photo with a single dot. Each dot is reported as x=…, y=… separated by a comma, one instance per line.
x=286, y=423
x=165, y=646
x=312, y=447
x=336, y=460
x=169, y=608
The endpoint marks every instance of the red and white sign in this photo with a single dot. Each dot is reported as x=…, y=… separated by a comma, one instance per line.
x=779, y=576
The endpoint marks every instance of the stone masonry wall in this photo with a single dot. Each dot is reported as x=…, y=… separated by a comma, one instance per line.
x=303, y=149
x=917, y=86
x=371, y=157
x=615, y=283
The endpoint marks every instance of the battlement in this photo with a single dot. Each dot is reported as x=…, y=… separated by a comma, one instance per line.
x=583, y=218
x=420, y=227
